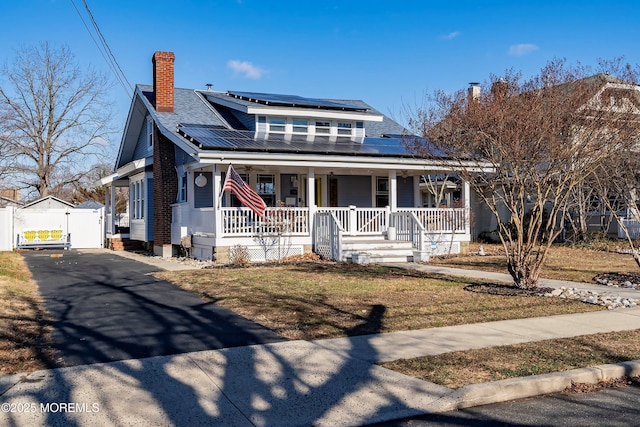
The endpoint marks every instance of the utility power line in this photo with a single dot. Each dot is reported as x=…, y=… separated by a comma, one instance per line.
x=104, y=49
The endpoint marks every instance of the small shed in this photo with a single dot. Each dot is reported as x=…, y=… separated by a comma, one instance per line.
x=49, y=202
x=53, y=222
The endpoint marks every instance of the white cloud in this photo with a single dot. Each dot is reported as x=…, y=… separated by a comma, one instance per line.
x=522, y=49
x=451, y=35
x=246, y=69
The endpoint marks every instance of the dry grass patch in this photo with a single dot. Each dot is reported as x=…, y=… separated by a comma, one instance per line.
x=25, y=337
x=461, y=368
x=326, y=300
x=563, y=263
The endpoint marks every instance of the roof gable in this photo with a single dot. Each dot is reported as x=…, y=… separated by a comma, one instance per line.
x=48, y=202
x=189, y=106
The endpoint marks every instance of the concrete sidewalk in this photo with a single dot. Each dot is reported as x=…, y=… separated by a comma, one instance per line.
x=330, y=382
x=506, y=278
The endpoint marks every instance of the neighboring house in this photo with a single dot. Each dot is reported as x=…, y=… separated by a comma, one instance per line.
x=7, y=201
x=10, y=197
x=333, y=173
x=606, y=94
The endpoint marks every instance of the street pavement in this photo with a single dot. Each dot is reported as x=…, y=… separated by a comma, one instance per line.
x=331, y=382
x=610, y=407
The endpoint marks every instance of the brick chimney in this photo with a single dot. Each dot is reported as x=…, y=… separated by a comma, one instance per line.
x=163, y=81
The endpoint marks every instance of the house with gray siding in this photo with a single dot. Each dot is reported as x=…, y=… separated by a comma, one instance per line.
x=336, y=175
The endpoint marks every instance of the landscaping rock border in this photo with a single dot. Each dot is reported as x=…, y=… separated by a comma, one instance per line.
x=591, y=297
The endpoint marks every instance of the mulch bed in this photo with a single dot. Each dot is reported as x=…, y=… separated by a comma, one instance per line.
x=612, y=383
x=506, y=290
x=619, y=277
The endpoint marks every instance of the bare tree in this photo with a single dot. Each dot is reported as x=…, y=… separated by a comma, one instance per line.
x=614, y=184
x=618, y=183
x=55, y=117
x=541, y=136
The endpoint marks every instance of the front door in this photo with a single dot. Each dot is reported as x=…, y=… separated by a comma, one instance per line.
x=318, y=191
x=333, y=192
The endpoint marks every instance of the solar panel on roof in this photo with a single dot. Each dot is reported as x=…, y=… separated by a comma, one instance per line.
x=221, y=138
x=294, y=101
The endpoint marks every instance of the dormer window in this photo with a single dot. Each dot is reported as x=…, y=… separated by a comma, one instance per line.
x=344, y=128
x=323, y=127
x=300, y=126
x=277, y=124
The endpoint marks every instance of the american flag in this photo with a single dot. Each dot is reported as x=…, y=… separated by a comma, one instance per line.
x=247, y=196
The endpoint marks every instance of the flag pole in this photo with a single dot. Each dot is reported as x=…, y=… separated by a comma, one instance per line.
x=224, y=183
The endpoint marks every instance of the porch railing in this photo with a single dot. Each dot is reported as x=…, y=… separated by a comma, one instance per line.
x=117, y=223
x=360, y=221
x=244, y=222
x=408, y=228
x=441, y=220
x=328, y=235
x=633, y=228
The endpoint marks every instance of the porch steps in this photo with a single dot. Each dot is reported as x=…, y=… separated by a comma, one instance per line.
x=125, y=244
x=378, y=249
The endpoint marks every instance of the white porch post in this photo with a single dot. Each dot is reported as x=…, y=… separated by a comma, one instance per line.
x=393, y=191
x=417, y=197
x=112, y=210
x=311, y=202
x=217, y=212
x=311, y=187
x=466, y=195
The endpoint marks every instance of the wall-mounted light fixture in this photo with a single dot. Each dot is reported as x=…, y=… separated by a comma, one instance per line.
x=201, y=180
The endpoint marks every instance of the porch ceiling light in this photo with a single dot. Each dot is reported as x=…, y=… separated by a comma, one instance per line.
x=201, y=180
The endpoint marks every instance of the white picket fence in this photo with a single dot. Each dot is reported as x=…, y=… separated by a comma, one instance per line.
x=73, y=228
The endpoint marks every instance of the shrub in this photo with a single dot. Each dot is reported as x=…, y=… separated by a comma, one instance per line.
x=239, y=255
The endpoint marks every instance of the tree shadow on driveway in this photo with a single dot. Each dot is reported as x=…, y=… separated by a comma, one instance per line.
x=293, y=383
x=105, y=308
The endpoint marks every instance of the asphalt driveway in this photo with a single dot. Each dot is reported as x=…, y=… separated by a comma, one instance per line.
x=105, y=307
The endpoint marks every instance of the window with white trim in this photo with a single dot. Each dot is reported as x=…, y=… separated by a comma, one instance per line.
x=309, y=126
x=323, y=127
x=149, y=132
x=382, y=191
x=136, y=190
x=266, y=188
x=235, y=202
x=344, y=128
x=300, y=126
x=182, y=192
x=277, y=124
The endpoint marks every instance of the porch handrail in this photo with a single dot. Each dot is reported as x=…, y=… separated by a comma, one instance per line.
x=341, y=215
x=441, y=220
x=409, y=228
x=328, y=235
x=359, y=221
x=242, y=221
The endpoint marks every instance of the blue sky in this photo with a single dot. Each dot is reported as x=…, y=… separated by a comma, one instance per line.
x=387, y=53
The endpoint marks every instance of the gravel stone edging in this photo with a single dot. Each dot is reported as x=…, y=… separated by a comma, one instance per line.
x=611, y=302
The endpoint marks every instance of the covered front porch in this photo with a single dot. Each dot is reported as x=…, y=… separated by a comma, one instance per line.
x=337, y=212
